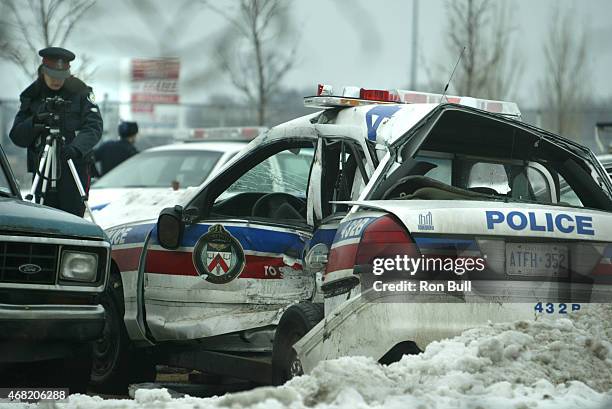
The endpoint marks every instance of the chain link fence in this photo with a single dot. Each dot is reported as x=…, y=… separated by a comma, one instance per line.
x=153, y=133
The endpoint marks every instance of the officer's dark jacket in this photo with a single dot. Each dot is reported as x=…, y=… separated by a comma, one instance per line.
x=81, y=126
x=112, y=153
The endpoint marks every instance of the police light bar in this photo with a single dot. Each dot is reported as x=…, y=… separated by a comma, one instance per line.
x=355, y=96
x=222, y=133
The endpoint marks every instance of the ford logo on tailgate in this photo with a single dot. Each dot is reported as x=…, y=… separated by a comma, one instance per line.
x=29, y=268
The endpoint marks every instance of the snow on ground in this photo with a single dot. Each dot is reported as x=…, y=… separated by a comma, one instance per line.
x=544, y=364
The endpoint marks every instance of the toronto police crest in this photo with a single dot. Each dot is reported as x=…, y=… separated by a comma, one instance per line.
x=218, y=256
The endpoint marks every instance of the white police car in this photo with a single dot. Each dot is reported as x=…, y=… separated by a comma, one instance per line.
x=473, y=217
x=226, y=281
x=146, y=182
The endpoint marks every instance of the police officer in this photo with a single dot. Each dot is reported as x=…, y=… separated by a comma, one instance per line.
x=112, y=153
x=79, y=122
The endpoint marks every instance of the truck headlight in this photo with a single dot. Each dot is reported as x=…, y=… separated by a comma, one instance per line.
x=79, y=266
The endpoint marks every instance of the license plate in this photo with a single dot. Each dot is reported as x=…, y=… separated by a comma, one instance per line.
x=548, y=260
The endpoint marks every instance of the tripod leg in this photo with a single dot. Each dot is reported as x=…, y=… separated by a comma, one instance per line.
x=50, y=158
x=79, y=185
x=41, y=165
x=54, y=164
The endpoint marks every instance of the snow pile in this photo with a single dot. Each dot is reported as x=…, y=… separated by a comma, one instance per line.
x=538, y=364
x=564, y=363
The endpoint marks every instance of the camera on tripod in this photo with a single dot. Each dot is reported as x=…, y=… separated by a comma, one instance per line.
x=51, y=114
x=57, y=104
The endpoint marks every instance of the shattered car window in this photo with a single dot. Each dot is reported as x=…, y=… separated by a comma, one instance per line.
x=285, y=172
x=259, y=179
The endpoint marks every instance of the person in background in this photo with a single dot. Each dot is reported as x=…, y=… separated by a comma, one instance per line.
x=112, y=153
x=77, y=118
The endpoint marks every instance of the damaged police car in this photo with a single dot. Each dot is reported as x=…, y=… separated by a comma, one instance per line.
x=53, y=269
x=500, y=221
x=227, y=281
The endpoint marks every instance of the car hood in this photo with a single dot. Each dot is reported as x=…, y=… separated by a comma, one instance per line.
x=19, y=217
x=100, y=198
x=137, y=204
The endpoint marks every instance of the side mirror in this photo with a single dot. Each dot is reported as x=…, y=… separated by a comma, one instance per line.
x=190, y=215
x=170, y=227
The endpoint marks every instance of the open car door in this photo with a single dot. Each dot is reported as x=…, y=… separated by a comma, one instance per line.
x=240, y=259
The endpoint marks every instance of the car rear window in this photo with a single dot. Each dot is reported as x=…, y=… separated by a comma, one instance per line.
x=524, y=181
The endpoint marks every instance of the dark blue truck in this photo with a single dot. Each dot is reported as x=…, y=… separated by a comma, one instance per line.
x=53, y=272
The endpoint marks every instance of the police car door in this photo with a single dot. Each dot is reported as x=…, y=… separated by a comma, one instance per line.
x=240, y=260
x=346, y=166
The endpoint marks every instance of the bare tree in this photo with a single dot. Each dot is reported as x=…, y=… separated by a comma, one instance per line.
x=166, y=28
x=254, y=51
x=566, y=81
x=34, y=24
x=490, y=66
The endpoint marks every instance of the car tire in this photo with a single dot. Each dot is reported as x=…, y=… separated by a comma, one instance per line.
x=115, y=362
x=293, y=325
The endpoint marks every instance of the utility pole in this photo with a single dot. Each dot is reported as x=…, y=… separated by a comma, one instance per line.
x=415, y=40
x=415, y=35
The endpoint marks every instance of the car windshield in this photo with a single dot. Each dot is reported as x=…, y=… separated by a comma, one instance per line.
x=162, y=169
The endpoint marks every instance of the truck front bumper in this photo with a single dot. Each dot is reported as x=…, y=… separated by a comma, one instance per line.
x=36, y=332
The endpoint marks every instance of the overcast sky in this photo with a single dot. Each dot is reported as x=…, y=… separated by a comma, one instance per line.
x=342, y=42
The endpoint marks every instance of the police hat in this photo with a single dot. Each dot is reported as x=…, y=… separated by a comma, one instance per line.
x=127, y=129
x=56, y=62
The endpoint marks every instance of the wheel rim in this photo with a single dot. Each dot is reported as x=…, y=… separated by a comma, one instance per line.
x=295, y=366
x=106, y=349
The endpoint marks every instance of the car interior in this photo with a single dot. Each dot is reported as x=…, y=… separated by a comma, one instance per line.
x=342, y=176
x=466, y=156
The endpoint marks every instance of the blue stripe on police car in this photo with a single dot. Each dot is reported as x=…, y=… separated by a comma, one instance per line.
x=561, y=222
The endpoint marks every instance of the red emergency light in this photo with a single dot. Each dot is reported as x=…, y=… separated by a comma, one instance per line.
x=378, y=95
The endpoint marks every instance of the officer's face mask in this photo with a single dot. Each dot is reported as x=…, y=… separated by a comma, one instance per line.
x=54, y=84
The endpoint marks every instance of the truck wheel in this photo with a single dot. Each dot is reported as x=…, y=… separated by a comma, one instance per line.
x=115, y=363
x=293, y=325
